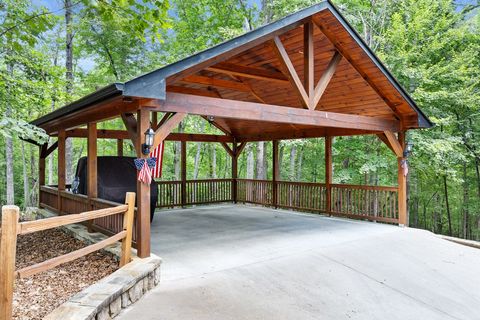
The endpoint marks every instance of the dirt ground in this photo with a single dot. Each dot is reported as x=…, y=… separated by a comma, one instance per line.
x=36, y=296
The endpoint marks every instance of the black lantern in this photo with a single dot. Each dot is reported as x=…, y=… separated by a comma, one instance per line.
x=408, y=149
x=149, y=135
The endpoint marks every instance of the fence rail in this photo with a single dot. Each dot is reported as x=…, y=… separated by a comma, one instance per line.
x=11, y=228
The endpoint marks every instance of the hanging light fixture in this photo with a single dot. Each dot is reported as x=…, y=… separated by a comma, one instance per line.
x=408, y=149
x=149, y=135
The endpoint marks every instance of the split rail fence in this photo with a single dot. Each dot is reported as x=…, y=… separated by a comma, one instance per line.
x=11, y=228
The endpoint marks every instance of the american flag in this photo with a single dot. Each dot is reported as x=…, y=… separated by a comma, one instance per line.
x=158, y=154
x=145, y=167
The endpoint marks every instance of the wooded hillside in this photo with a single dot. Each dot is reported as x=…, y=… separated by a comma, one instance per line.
x=53, y=52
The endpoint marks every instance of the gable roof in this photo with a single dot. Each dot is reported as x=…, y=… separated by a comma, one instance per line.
x=325, y=15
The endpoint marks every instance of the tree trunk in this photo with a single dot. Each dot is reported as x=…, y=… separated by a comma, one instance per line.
x=177, y=155
x=250, y=161
x=26, y=187
x=214, y=161
x=465, y=223
x=69, y=82
x=299, y=164
x=293, y=154
x=9, y=168
x=261, y=172
x=447, y=205
x=196, y=162
x=9, y=151
x=280, y=158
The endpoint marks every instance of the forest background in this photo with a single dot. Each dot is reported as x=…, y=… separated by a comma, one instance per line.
x=55, y=51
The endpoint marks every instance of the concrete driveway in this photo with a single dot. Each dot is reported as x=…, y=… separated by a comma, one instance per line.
x=241, y=262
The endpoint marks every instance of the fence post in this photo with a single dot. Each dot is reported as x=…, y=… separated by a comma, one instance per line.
x=8, y=248
x=128, y=226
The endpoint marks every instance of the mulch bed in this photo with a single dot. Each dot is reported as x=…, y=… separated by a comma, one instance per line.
x=38, y=295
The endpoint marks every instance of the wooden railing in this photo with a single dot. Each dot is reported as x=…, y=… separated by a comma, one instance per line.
x=375, y=203
x=255, y=191
x=169, y=194
x=11, y=228
x=197, y=192
x=208, y=191
x=366, y=202
x=69, y=203
x=301, y=196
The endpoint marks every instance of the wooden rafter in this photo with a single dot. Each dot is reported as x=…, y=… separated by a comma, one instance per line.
x=325, y=79
x=308, y=61
x=289, y=71
x=248, y=72
x=234, y=109
x=346, y=54
x=214, y=82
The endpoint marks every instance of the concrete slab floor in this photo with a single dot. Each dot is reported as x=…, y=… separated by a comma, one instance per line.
x=244, y=262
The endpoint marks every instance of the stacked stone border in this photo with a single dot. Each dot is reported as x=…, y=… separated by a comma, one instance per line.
x=106, y=298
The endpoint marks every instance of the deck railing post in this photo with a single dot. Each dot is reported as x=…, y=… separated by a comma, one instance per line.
x=8, y=247
x=128, y=227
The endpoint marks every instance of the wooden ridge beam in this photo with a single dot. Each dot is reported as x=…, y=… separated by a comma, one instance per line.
x=248, y=72
x=225, y=108
x=289, y=71
x=325, y=79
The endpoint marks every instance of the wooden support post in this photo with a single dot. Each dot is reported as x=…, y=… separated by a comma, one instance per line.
x=8, y=247
x=184, y=172
x=128, y=227
x=92, y=187
x=234, y=171
x=143, y=190
x=120, y=147
x=328, y=172
x=275, y=174
x=402, y=185
x=61, y=166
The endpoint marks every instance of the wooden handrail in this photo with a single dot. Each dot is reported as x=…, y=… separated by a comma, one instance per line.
x=11, y=228
x=365, y=187
x=49, y=223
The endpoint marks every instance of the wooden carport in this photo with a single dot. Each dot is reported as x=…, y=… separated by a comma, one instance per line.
x=306, y=75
